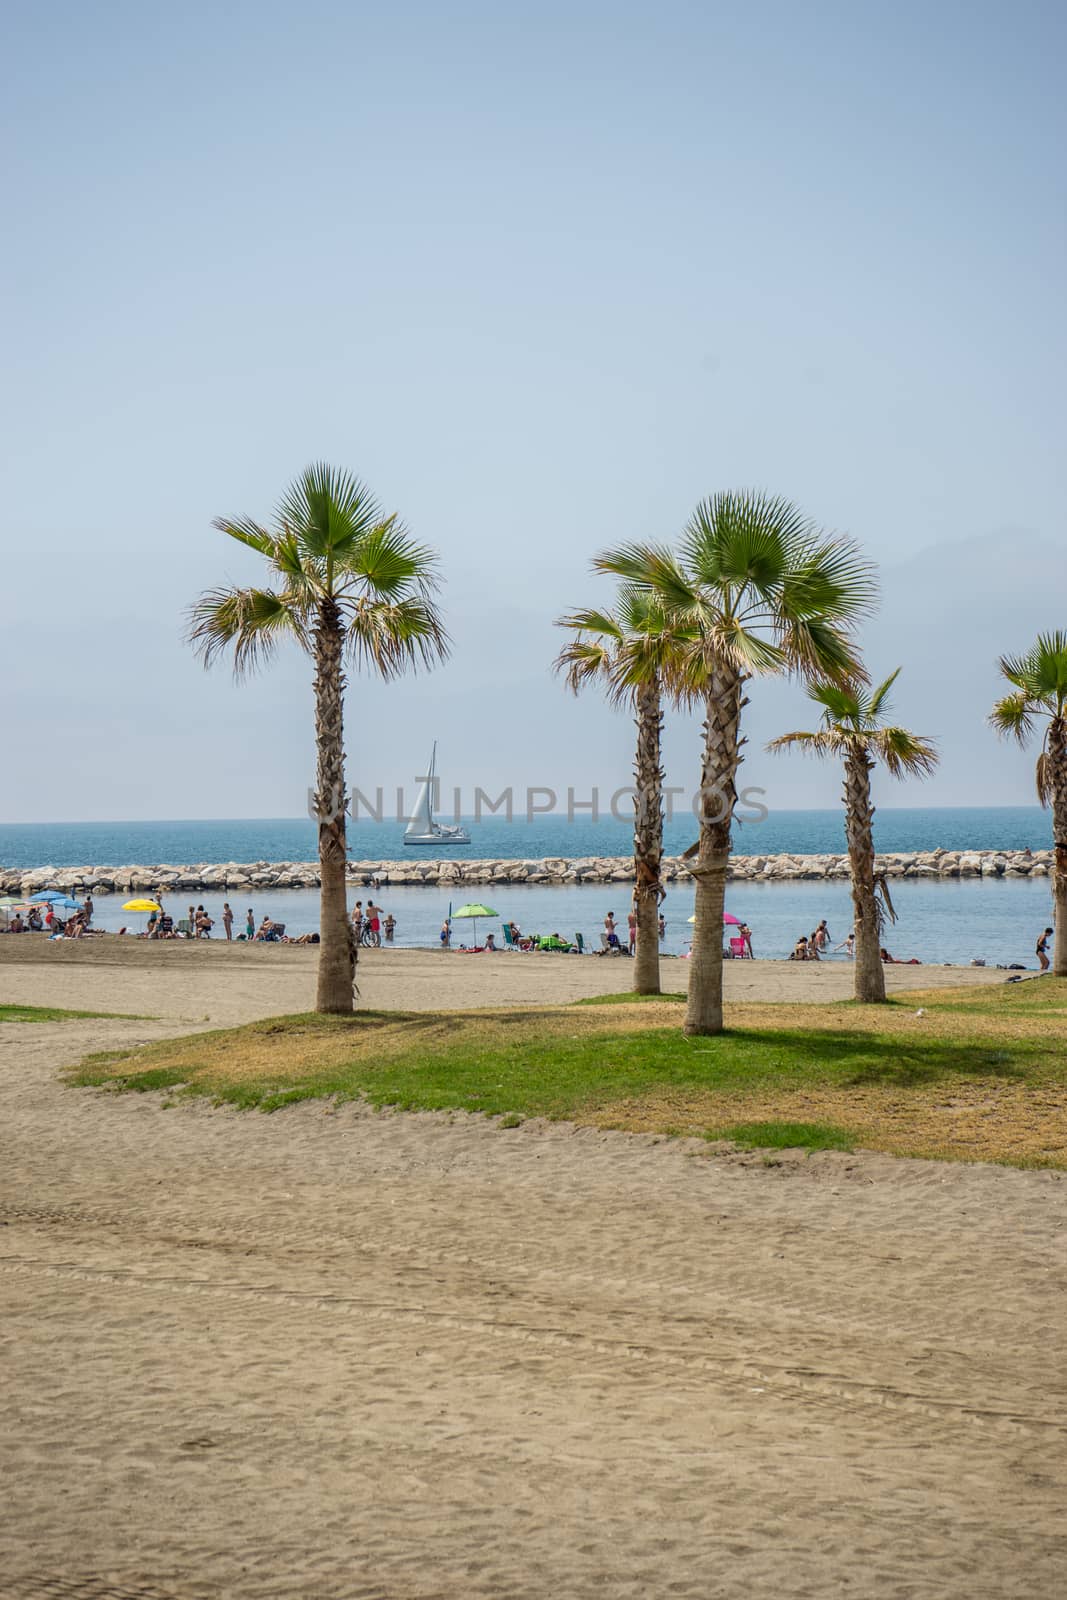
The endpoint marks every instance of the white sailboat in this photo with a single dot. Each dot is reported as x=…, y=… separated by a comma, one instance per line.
x=422, y=828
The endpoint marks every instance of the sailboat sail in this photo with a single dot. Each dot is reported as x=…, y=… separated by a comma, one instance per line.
x=421, y=819
x=422, y=828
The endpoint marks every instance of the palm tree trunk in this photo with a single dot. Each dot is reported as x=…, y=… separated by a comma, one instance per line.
x=869, y=974
x=648, y=838
x=1057, y=751
x=718, y=795
x=337, y=952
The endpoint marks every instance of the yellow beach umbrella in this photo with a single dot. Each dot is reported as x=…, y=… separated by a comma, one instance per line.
x=141, y=905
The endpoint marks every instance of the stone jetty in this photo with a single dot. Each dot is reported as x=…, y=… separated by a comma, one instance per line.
x=204, y=877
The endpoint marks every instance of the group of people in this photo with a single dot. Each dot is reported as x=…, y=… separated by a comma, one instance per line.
x=370, y=923
x=817, y=944
x=43, y=917
x=198, y=924
x=610, y=941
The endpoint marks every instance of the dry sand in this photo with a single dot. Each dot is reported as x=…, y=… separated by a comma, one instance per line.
x=219, y=983
x=340, y=1356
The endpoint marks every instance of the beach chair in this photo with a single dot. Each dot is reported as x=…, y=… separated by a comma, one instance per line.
x=738, y=950
x=580, y=942
x=509, y=943
x=182, y=926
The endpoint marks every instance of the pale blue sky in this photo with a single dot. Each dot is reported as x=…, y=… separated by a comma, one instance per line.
x=544, y=275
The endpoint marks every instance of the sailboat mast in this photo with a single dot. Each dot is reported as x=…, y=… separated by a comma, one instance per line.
x=433, y=770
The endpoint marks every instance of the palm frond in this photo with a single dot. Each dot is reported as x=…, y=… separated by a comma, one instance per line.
x=1013, y=716
x=387, y=561
x=247, y=532
x=601, y=623
x=839, y=700
x=1043, y=778
x=879, y=701
x=823, y=742
x=650, y=566
x=903, y=754
x=250, y=621
x=586, y=661
x=392, y=636
x=828, y=578
x=817, y=647
x=740, y=539
x=328, y=510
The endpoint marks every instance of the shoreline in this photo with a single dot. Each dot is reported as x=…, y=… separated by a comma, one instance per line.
x=927, y=865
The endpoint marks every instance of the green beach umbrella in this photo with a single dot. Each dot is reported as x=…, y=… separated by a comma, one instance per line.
x=475, y=912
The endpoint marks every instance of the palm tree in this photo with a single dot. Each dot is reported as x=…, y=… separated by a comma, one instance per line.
x=854, y=728
x=633, y=652
x=1039, y=692
x=345, y=581
x=764, y=592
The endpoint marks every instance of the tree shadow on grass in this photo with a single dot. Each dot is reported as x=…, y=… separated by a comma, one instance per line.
x=898, y=1063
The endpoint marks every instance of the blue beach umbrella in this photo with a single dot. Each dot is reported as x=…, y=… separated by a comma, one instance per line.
x=52, y=894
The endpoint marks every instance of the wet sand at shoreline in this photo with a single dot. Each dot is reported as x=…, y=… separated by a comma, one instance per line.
x=334, y=1355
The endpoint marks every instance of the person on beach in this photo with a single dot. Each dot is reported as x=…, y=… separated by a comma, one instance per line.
x=800, y=950
x=813, y=946
x=662, y=926
x=490, y=942
x=250, y=925
x=744, y=933
x=631, y=923
x=609, y=932
x=204, y=924
x=227, y=919
x=1042, y=948
x=821, y=936
x=390, y=928
x=848, y=945
x=87, y=909
x=446, y=934
x=192, y=923
x=151, y=925
x=374, y=922
x=357, y=921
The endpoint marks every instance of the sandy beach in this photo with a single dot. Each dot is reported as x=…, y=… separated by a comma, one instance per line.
x=332, y=1355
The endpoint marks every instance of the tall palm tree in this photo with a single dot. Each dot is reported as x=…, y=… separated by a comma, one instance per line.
x=633, y=652
x=765, y=592
x=345, y=581
x=854, y=729
x=1039, y=693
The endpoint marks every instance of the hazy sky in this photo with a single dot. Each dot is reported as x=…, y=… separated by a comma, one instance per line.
x=543, y=275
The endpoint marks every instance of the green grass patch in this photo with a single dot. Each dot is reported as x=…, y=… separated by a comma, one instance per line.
x=626, y=999
x=959, y=1080
x=785, y=1136
x=15, y=1013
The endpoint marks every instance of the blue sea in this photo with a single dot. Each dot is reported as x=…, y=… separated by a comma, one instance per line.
x=116, y=844
x=994, y=920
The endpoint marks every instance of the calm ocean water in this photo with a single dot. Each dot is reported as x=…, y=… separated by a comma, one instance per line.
x=294, y=839
x=956, y=921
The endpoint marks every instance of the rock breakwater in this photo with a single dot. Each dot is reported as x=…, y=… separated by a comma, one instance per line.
x=205, y=877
